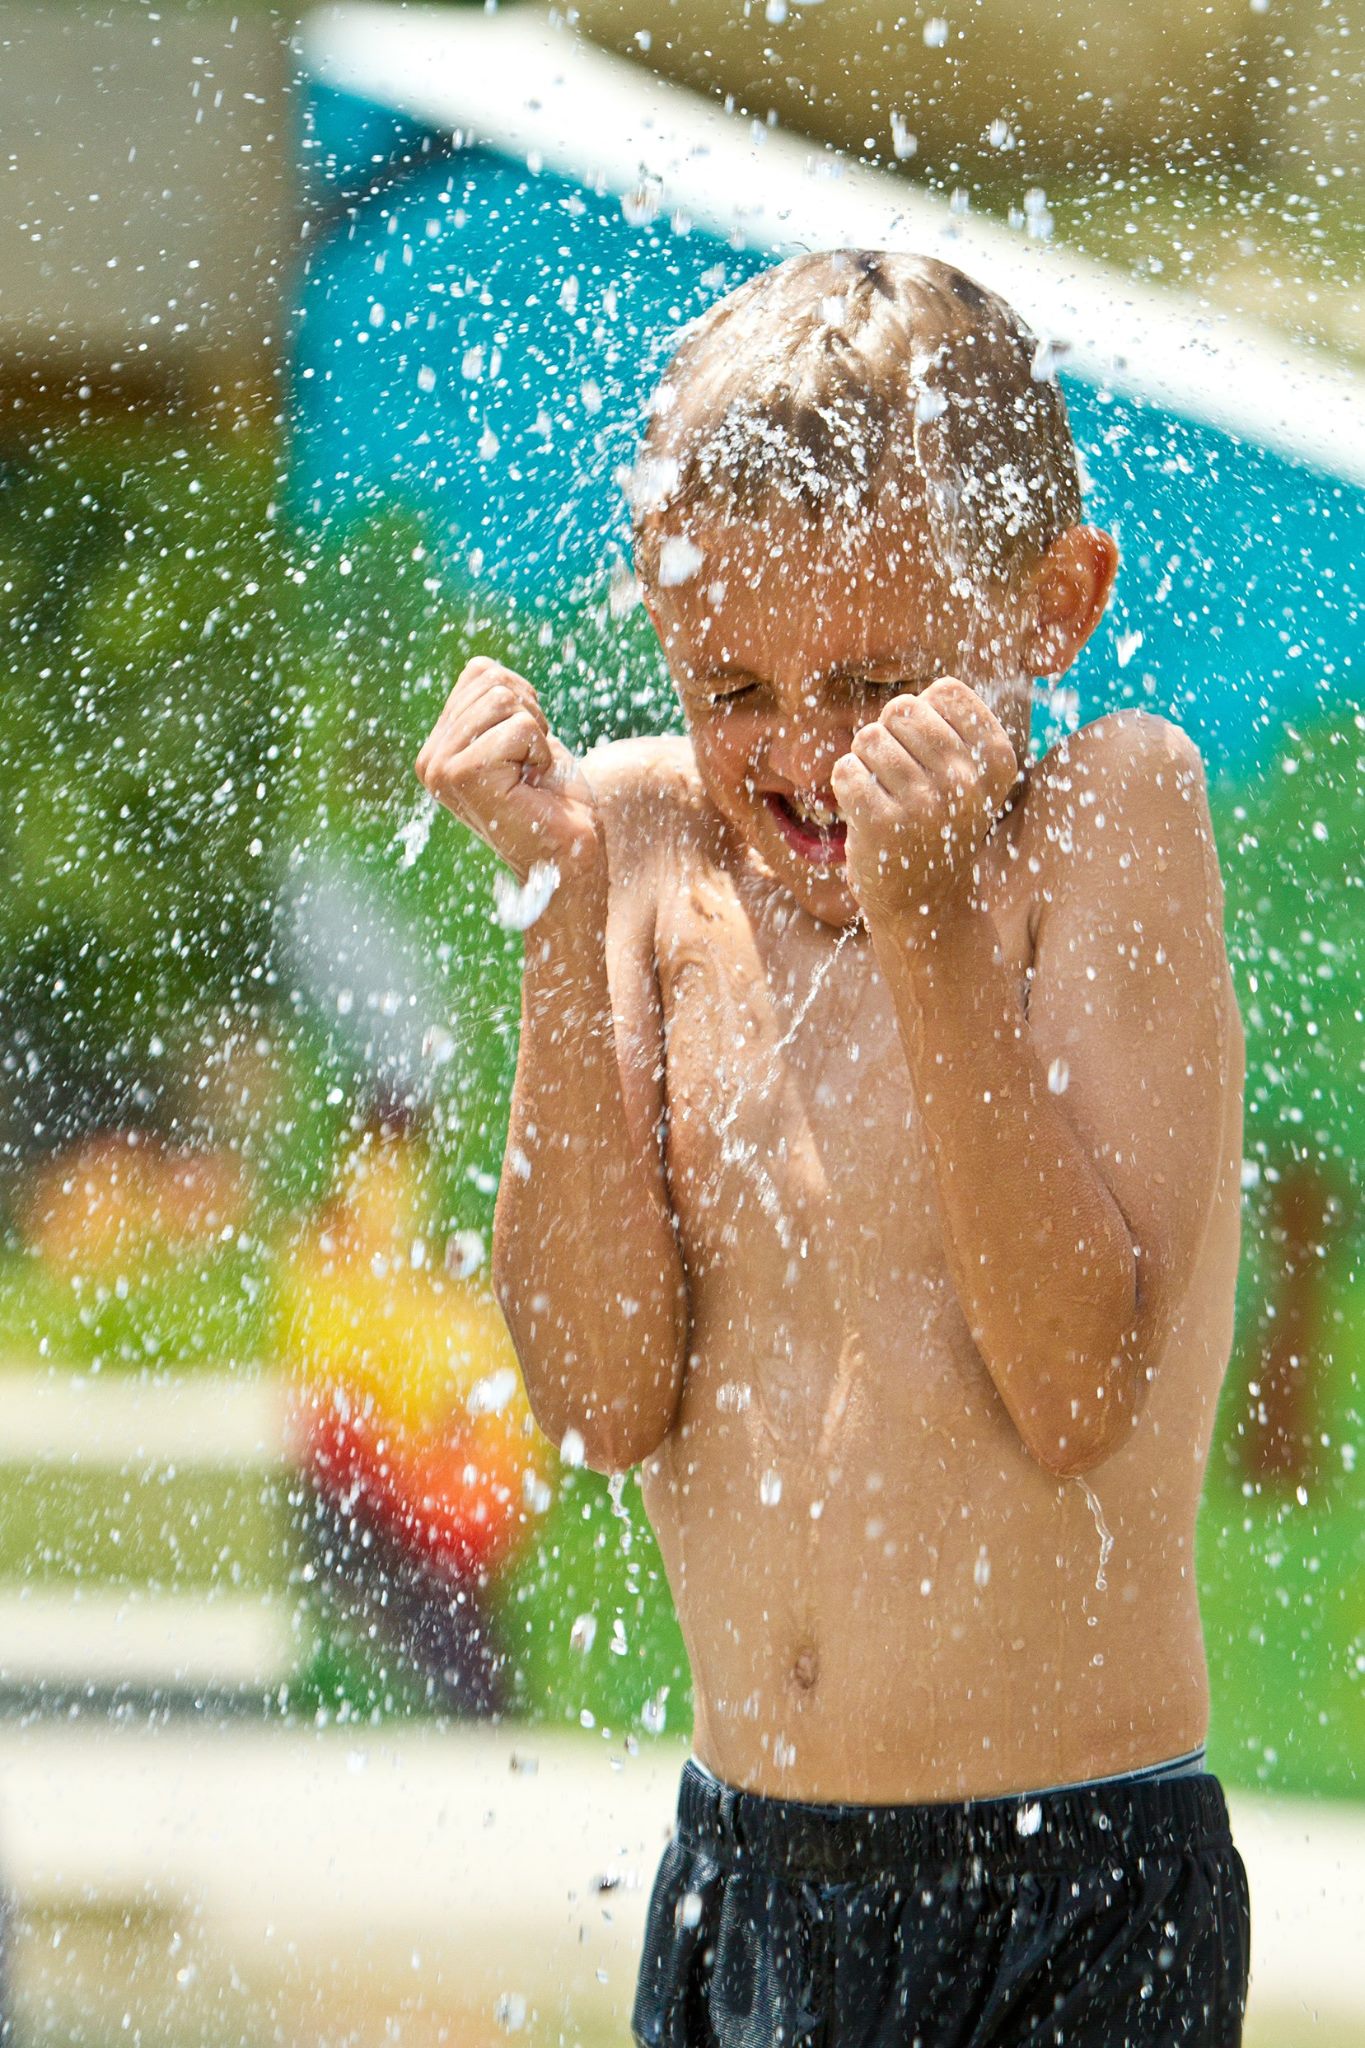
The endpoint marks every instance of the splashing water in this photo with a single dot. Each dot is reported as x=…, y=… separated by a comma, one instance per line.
x=414, y=834
x=517, y=905
x=734, y=1151
x=616, y=1487
x=1102, y=1530
x=583, y=1634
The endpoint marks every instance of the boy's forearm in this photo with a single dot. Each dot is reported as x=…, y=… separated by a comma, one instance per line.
x=585, y=1260
x=1042, y=1260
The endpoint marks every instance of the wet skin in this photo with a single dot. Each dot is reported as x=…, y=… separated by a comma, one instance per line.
x=923, y=1477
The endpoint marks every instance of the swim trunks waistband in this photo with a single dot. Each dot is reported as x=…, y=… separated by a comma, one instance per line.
x=1191, y=1765
x=1155, y=1810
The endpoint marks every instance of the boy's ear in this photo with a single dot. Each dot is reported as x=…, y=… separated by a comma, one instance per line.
x=1071, y=589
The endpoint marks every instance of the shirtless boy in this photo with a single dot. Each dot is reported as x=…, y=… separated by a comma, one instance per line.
x=876, y=1142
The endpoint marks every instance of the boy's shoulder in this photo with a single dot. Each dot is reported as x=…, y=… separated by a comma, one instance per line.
x=1120, y=809
x=1130, y=771
x=1126, y=750
x=646, y=790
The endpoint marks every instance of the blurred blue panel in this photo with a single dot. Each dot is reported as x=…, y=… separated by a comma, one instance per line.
x=479, y=337
x=349, y=143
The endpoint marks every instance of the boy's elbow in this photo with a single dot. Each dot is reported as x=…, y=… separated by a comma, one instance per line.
x=605, y=1435
x=615, y=1449
x=1075, y=1439
x=1071, y=1456
x=610, y=1441
x=629, y=1427
x=1081, y=1442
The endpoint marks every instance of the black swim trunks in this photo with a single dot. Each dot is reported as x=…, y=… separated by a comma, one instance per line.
x=1111, y=1915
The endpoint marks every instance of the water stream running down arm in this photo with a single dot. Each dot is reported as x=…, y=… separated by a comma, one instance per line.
x=733, y=1151
x=1102, y=1529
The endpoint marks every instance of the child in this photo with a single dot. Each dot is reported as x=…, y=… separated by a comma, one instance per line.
x=874, y=1183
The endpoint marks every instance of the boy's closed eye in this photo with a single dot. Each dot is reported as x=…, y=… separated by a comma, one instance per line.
x=882, y=690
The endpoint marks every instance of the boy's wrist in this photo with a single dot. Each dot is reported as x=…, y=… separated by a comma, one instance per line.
x=924, y=932
x=565, y=949
x=577, y=906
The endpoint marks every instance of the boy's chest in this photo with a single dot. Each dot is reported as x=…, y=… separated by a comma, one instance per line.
x=792, y=1124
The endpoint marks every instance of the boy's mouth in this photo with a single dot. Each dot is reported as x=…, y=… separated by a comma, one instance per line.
x=814, y=830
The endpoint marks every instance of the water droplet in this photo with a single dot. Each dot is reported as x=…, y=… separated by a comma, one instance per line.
x=572, y=1449
x=464, y=1253
x=770, y=1488
x=490, y=1395
x=510, y=2011
x=583, y=1634
x=517, y=905
x=679, y=560
x=1059, y=1076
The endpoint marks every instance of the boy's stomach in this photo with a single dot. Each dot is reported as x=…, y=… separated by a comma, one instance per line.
x=886, y=1599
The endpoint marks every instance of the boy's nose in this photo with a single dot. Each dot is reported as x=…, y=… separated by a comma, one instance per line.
x=803, y=756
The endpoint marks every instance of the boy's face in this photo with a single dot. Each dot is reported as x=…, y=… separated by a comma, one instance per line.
x=781, y=648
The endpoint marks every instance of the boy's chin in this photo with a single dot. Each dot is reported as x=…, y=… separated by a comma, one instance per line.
x=822, y=892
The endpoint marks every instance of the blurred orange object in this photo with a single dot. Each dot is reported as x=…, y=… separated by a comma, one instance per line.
x=120, y=1192
x=457, y=1499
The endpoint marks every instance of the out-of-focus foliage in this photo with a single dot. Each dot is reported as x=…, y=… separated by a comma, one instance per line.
x=1281, y=1543
x=195, y=704
x=211, y=730
x=147, y=746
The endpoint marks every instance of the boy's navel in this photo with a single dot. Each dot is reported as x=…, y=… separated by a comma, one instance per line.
x=806, y=1667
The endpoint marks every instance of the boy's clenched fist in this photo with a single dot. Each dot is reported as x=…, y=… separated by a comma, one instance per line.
x=492, y=760
x=920, y=789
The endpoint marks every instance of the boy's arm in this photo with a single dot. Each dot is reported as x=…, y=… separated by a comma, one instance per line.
x=586, y=1263
x=1076, y=1146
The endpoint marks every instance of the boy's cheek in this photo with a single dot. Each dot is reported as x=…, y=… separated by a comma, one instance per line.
x=722, y=768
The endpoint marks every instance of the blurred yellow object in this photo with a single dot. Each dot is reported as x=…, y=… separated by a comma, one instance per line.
x=408, y=1388
x=410, y=1347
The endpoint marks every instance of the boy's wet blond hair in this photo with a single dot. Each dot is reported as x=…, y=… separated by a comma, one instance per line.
x=821, y=379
